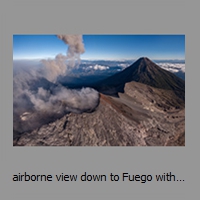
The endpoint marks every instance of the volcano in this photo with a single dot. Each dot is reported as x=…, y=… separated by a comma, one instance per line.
x=143, y=71
x=144, y=105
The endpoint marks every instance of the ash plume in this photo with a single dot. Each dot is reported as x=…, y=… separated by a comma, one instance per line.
x=44, y=106
x=37, y=101
x=75, y=42
x=53, y=68
x=61, y=99
x=62, y=64
x=37, y=97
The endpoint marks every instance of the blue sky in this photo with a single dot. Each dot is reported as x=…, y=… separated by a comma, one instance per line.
x=105, y=47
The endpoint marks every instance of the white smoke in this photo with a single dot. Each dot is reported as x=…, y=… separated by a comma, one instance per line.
x=63, y=64
x=36, y=101
x=62, y=99
x=38, y=98
x=75, y=42
x=54, y=68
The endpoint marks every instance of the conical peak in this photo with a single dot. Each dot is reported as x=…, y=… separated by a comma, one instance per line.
x=147, y=72
x=144, y=62
x=144, y=59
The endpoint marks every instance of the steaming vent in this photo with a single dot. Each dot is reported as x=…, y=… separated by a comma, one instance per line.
x=39, y=98
x=25, y=116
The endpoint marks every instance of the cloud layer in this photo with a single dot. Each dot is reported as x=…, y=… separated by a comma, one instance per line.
x=98, y=67
x=173, y=67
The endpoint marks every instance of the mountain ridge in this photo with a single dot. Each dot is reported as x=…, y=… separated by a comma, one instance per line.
x=144, y=71
x=143, y=105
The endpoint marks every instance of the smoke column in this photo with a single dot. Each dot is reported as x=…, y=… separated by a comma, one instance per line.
x=62, y=64
x=38, y=98
x=53, y=68
x=75, y=42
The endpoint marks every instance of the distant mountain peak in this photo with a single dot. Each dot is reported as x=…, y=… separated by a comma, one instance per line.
x=144, y=71
x=144, y=59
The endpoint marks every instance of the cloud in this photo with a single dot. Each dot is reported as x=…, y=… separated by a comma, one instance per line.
x=173, y=67
x=124, y=65
x=99, y=67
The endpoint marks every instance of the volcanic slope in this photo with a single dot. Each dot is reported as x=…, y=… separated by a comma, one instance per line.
x=143, y=71
x=124, y=121
x=149, y=111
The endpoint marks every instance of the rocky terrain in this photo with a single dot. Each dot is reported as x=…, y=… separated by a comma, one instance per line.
x=138, y=114
x=123, y=121
x=143, y=71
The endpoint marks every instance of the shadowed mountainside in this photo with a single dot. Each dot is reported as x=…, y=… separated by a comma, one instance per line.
x=143, y=71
